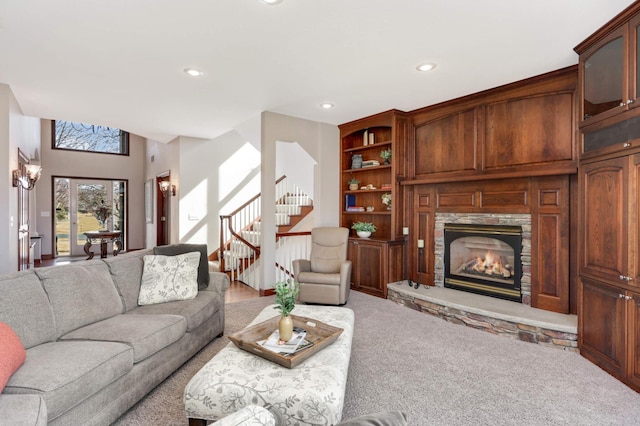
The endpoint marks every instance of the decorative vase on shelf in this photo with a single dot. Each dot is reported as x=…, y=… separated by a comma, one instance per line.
x=364, y=234
x=285, y=328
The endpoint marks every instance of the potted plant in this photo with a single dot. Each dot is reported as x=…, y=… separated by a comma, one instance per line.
x=386, y=200
x=286, y=293
x=386, y=155
x=353, y=184
x=364, y=229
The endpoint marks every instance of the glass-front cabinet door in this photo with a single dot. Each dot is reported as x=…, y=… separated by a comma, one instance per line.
x=605, y=77
x=635, y=61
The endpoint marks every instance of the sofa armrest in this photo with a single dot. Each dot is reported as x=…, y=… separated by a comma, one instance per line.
x=218, y=282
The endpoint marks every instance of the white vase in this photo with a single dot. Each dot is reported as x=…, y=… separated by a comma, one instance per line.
x=364, y=234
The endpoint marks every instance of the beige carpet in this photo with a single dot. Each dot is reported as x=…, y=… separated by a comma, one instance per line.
x=438, y=373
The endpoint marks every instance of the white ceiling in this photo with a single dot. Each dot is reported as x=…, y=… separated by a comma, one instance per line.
x=120, y=62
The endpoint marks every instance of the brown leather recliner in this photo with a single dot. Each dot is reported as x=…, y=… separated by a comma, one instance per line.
x=326, y=277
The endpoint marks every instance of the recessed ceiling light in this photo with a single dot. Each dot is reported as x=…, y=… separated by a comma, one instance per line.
x=271, y=2
x=192, y=72
x=327, y=105
x=426, y=66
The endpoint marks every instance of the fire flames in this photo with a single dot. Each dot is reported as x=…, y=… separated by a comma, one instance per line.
x=491, y=265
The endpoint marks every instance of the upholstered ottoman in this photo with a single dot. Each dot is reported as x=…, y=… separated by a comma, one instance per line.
x=310, y=393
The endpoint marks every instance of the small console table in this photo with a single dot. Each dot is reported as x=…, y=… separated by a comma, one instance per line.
x=104, y=237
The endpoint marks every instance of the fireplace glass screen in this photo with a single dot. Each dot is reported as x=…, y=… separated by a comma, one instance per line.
x=484, y=259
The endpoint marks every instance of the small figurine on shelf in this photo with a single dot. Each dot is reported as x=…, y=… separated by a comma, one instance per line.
x=386, y=200
x=386, y=155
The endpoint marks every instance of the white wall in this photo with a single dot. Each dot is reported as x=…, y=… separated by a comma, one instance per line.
x=78, y=164
x=161, y=158
x=322, y=142
x=16, y=131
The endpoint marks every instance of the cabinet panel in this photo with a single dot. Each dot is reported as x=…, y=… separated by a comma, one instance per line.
x=633, y=373
x=604, y=202
x=551, y=277
x=528, y=131
x=603, y=326
x=447, y=144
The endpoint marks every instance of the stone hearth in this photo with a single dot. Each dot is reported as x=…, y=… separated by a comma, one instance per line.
x=492, y=315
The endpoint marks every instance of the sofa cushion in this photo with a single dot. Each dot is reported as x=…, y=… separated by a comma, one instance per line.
x=24, y=306
x=146, y=334
x=169, y=278
x=196, y=311
x=80, y=294
x=126, y=271
x=12, y=353
x=23, y=410
x=318, y=278
x=66, y=373
x=203, y=265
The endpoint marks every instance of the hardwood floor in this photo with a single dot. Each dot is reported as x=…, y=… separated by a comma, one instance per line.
x=237, y=291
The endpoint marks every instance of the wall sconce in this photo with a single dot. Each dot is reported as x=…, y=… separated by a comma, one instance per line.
x=166, y=187
x=28, y=177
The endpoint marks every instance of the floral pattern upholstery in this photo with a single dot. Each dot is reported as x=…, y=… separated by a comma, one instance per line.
x=312, y=393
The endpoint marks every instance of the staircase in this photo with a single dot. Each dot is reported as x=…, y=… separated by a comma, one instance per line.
x=241, y=230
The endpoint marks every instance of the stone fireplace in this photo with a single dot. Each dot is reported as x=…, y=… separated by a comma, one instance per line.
x=483, y=259
x=489, y=254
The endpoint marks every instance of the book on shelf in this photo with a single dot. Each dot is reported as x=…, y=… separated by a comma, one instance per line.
x=349, y=201
x=355, y=209
x=369, y=163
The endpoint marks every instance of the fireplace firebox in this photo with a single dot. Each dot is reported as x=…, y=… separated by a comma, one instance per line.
x=483, y=259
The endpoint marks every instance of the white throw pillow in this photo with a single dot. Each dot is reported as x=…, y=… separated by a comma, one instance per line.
x=168, y=278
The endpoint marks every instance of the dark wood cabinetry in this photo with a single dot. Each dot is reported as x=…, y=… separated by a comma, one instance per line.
x=609, y=72
x=609, y=268
x=376, y=260
x=523, y=129
x=609, y=247
x=378, y=263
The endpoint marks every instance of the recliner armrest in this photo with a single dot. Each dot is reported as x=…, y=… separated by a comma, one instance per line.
x=301, y=265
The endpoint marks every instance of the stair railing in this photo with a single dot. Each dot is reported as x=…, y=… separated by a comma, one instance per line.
x=289, y=247
x=240, y=233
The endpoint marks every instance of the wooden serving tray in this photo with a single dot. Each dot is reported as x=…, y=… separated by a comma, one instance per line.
x=319, y=333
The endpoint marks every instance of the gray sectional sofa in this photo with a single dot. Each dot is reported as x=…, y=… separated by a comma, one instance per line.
x=92, y=352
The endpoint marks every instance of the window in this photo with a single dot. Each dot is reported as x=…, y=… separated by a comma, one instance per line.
x=89, y=137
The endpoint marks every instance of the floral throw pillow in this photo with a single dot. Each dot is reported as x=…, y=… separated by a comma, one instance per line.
x=169, y=278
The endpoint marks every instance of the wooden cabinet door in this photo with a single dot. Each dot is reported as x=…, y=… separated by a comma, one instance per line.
x=604, y=219
x=368, y=269
x=633, y=353
x=603, y=326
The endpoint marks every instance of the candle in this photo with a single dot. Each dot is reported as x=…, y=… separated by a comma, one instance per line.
x=420, y=243
x=405, y=231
